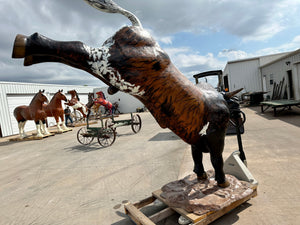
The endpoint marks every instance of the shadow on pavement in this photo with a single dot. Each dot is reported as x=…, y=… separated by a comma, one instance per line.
x=165, y=136
x=231, y=217
x=288, y=116
x=86, y=148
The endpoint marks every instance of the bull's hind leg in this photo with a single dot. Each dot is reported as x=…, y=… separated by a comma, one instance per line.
x=197, y=153
x=215, y=143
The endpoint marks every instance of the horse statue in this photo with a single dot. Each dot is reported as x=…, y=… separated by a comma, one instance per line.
x=132, y=61
x=101, y=100
x=75, y=103
x=55, y=109
x=34, y=112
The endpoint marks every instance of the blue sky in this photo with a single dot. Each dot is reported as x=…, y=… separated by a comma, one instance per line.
x=198, y=35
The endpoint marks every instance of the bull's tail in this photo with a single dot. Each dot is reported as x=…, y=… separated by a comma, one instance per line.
x=110, y=7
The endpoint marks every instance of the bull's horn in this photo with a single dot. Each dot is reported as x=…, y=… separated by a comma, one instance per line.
x=228, y=95
x=110, y=7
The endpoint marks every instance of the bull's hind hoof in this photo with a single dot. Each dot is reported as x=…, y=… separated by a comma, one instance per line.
x=224, y=185
x=203, y=176
x=19, y=46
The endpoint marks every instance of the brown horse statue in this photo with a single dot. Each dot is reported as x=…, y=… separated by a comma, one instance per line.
x=75, y=103
x=132, y=61
x=55, y=109
x=34, y=112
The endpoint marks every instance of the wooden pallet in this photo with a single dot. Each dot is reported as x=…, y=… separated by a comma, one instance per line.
x=134, y=212
x=30, y=137
x=60, y=132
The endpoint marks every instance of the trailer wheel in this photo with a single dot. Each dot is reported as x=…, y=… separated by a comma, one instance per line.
x=107, y=137
x=84, y=137
x=136, y=123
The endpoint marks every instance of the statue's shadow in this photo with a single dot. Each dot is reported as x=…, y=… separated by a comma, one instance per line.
x=164, y=136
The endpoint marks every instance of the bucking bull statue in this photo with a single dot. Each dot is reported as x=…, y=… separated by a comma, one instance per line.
x=132, y=61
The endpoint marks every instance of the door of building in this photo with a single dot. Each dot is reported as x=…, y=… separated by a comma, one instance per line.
x=290, y=84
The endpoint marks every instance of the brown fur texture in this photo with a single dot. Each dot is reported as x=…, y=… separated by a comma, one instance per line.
x=172, y=99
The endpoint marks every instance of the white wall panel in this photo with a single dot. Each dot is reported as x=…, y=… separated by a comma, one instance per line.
x=14, y=93
x=13, y=102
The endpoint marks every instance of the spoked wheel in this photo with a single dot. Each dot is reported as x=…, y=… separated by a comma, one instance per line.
x=106, y=137
x=136, y=123
x=84, y=137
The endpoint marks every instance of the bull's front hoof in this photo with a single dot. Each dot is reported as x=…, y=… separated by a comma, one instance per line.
x=224, y=185
x=203, y=176
x=19, y=46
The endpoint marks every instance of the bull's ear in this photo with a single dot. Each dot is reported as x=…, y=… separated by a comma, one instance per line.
x=43, y=91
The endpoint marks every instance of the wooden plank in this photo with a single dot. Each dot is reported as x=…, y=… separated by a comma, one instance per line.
x=144, y=202
x=190, y=216
x=136, y=215
x=30, y=137
x=60, y=132
x=163, y=214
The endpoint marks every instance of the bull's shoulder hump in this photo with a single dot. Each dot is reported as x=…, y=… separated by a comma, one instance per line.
x=133, y=35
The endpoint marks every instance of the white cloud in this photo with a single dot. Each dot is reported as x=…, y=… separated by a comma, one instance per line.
x=233, y=54
x=286, y=47
x=190, y=62
x=249, y=20
x=165, y=40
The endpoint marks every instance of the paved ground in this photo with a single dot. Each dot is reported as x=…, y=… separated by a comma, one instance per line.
x=59, y=181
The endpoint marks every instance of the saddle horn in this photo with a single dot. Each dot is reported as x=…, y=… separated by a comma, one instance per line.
x=228, y=95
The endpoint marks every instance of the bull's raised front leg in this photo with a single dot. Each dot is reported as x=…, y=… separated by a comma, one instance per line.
x=38, y=49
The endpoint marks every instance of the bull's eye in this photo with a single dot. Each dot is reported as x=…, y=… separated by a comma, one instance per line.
x=156, y=66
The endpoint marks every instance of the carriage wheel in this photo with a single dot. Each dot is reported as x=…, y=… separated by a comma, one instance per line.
x=106, y=137
x=84, y=137
x=136, y=123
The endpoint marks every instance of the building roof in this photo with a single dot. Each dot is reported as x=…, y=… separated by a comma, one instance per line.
x=282, y=57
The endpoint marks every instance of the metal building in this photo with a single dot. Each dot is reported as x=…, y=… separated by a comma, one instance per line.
x=246, y=73
x=284, y=73
x=13, y=94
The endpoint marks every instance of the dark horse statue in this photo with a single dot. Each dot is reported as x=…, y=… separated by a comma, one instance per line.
x=75, y=103
x=132, y=61
x=55, y=109
x=34, y=112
